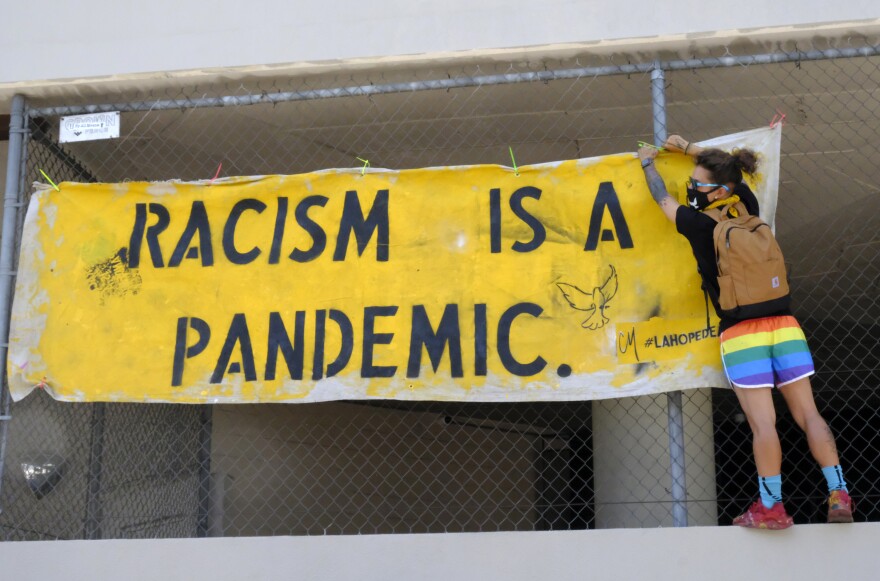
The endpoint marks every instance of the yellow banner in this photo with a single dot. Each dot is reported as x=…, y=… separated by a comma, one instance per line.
x=563, y=282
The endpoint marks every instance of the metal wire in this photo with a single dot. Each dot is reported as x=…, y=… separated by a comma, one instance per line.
x=138, y=470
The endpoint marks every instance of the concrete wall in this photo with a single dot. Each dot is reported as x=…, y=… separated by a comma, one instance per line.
x=142, y=459
x=36, y=434
x=344, y=468
x=631, y=461
x=334, y=468
x=60, y=39
x=697, y=553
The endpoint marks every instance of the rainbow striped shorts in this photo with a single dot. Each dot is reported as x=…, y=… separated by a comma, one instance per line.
x=766, y=352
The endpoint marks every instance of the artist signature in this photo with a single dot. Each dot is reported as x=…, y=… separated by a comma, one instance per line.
x=627, y=340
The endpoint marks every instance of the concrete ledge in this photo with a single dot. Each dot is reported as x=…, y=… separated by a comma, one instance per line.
x=717, y=553
x=760, y=40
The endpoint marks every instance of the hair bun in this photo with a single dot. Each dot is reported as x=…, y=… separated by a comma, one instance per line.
x=728, y=167
x=745, y=160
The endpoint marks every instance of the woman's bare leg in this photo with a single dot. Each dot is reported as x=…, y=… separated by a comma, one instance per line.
x=757, y=404
x=799, y=398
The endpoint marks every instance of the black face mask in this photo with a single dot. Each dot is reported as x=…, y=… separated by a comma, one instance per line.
x=698, y=200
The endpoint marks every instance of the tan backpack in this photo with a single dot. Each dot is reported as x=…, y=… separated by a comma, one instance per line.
x=751, y=270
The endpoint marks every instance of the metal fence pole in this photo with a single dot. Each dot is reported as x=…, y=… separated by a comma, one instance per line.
x=673, y=399
x=17, y=129
x=203, y=457
x=94, y=497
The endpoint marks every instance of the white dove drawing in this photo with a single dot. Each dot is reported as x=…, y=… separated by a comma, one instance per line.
x=595, y=302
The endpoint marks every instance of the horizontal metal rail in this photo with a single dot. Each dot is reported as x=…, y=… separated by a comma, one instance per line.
x=441, y=84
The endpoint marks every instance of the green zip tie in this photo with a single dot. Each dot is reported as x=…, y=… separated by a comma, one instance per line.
x=515, y=169
x=643, y=144
x=57, y=189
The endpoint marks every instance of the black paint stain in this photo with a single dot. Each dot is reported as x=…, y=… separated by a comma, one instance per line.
x=113, y=277
x=655, y=312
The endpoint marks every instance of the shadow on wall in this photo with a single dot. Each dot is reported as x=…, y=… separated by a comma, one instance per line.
x=834, y=264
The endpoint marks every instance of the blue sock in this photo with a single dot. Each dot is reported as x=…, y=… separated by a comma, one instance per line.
x=771, y=489
x=834, y=478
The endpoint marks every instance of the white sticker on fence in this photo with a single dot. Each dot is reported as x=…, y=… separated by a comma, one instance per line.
x=89, y=127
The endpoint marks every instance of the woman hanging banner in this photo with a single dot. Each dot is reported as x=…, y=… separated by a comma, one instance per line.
x=558, y=281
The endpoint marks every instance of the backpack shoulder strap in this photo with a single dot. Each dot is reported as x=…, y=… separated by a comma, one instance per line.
x=716, y=214
x=724, y=212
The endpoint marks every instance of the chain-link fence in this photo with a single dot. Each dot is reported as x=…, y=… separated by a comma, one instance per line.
x=144, y=470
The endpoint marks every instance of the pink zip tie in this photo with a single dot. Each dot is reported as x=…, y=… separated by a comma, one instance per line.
x=778, y=119
x=219, y=167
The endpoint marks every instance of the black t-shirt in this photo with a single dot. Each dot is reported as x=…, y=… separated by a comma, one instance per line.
x=698, y=228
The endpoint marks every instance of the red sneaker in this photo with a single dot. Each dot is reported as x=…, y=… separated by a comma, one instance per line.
x=760, y=517
x=840, y=506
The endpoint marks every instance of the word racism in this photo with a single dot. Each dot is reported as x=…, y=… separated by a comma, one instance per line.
x=149, y=246
x=196, y=242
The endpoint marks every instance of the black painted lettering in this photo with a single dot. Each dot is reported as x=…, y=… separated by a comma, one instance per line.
x=346, y=346
x=152, y=234
x=182, y=351
x=480, y=339
x=238, y=335
x=197, y=224
x=320, y=339
x=507, y=359
x=232, y=254
x=423, y=335
x=319, y=238
x=137, y=236
x=371, y=338
x=353, y=221
x=607, y=198
x=538, y=230
x=279, y=340
x=495, y=220
x=278, y=233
